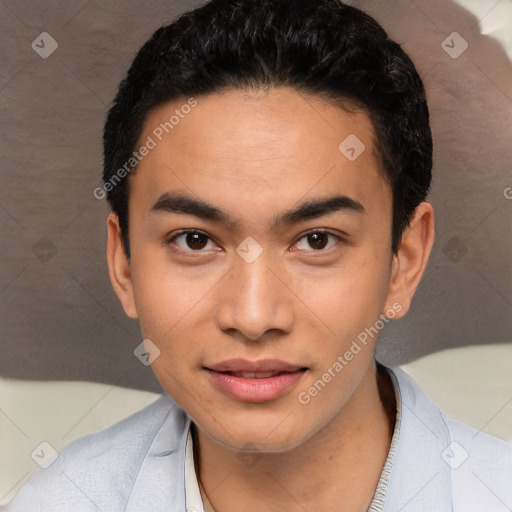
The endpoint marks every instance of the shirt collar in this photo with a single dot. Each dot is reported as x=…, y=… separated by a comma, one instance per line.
x=381, y=490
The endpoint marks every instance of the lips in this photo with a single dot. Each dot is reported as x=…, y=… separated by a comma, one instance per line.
x=254, y=375
x=264, y=365
x=255, y=381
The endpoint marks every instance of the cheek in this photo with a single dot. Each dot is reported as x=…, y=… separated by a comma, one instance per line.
x=173, y=305
x=166, y=294
x=350, y=297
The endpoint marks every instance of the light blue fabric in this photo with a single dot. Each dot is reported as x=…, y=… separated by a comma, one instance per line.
x=138, y=465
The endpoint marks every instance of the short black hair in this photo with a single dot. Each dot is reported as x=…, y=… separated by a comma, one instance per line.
x=321, y=47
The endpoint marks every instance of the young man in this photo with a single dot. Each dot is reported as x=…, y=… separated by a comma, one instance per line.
x=267, y=164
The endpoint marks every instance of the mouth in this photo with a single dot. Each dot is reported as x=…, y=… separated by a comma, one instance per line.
x=255, y=382
x=255, y=375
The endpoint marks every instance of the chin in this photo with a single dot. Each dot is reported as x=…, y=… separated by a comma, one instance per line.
x=275, y=434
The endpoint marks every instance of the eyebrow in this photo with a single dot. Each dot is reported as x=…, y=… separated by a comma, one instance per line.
x=179, y=203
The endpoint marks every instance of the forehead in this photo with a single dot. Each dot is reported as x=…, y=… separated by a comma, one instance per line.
x=269, y=148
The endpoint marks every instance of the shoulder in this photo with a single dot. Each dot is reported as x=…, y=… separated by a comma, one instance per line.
x=471, y=470
x=99, y=470
x=481, y=468
x=481, y=447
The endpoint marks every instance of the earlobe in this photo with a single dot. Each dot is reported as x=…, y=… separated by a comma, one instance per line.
x=119, y=267
x=411, y=259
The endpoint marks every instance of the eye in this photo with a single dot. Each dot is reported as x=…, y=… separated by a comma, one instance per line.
x=190, y=240
x=318, y=240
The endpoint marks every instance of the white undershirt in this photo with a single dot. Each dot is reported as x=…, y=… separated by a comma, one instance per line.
x=193, y=501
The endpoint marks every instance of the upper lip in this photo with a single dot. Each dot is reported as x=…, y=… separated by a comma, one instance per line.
x=263, y=365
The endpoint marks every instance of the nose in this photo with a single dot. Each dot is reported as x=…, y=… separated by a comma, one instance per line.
x=255, y=301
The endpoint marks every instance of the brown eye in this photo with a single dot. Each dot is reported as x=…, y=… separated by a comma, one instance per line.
x=318, y=240
x=190, y=240
x=196, y=240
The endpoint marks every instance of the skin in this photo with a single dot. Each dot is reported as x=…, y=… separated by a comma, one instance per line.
x=256, y=155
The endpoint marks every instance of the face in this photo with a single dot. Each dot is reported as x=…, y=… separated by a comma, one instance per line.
x=259, y=253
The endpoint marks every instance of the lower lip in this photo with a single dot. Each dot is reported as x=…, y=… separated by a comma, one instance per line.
x=256, y=390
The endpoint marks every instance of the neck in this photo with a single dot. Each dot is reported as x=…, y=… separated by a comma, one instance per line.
x=335, y=470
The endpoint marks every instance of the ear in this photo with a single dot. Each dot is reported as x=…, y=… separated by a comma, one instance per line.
x=119, y=267
x=411, y=259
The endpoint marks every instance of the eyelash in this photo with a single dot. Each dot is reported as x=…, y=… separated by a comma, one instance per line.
x=170, y=240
